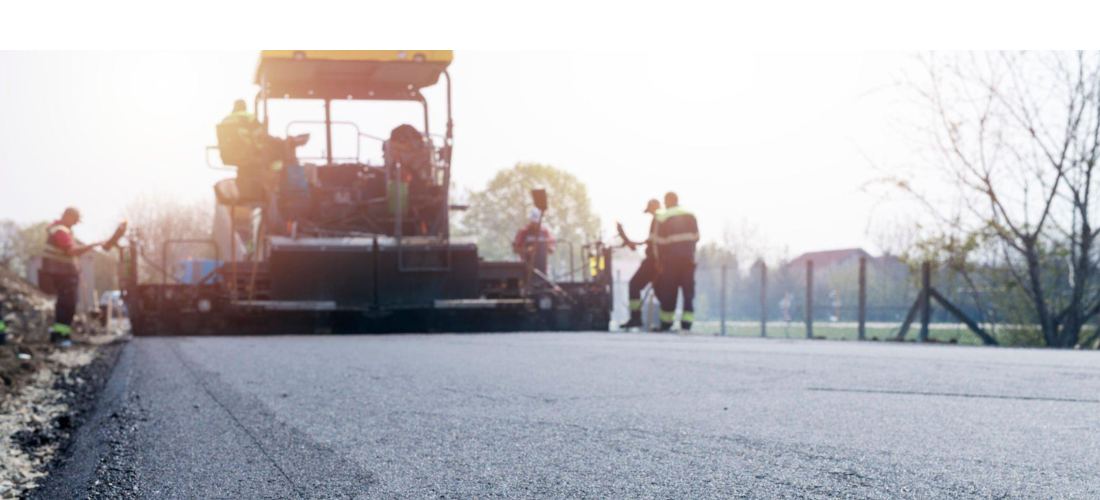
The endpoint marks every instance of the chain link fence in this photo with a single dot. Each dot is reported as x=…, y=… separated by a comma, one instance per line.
x=798, y=301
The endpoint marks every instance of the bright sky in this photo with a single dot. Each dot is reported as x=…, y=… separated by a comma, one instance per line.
x=781, y=141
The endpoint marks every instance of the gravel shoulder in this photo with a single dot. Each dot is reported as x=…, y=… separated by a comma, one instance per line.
x=44, y=408
x=91, y=466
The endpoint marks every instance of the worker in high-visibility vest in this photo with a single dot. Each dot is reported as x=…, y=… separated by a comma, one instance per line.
x=677, y=234
x=247, y=126
x=61, y=272
x=646, y=272
x=266, y=149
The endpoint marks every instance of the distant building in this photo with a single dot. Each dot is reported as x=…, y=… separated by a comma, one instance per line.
x=827, y=259
x=890, y=291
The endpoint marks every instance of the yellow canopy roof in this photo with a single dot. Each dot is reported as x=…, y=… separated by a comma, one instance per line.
x=350, y=74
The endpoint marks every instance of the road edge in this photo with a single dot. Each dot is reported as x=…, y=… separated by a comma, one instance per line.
x=73, y=472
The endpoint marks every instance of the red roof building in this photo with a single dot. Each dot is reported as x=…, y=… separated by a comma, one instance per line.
x=829, y=258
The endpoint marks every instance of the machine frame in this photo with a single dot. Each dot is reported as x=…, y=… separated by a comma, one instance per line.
x=409, y=283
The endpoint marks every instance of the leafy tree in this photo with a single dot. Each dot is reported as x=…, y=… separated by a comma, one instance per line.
x=18, y=243
x=501, y=209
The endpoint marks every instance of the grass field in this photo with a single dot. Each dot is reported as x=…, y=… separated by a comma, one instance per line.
x=941, y=332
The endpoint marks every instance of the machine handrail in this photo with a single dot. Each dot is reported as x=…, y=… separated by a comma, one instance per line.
x=572, y=248
x=399, y=220
x=358, y=133
x=213, y=166
x=169, y=243
x=165, y=265
x=368, y=136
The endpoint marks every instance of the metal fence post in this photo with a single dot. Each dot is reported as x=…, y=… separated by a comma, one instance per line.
x=925, y=298
x=809, y=299
x=650, y=308
x=863, y=298
x=763, y=299
x=723, y=303
x=618, y=279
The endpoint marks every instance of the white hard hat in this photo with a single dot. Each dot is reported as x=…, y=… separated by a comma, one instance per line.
x=534, y=215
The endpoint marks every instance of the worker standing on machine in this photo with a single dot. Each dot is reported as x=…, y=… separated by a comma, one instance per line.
x=677, y=234
x=266, y=149
x=60, y=273
x=247, y=127
x=533, y=242
x=647, y=271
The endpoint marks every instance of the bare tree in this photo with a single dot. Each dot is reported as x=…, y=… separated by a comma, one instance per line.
x=894, y=236
x=745, y=243
x=158, y=219
x=1018, y=135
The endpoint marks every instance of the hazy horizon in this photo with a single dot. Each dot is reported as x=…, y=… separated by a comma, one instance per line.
x=783, y=142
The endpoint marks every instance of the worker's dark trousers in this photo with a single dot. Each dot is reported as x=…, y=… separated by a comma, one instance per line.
x=66, y=286
x=642, y=277
x=678, y=275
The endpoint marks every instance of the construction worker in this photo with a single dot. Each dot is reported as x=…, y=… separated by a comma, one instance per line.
x=647, y=271
x=534, y=242
x=267, y=149
x=61, y=271
x=247, y=127
x=677, y=234
x=261, y=155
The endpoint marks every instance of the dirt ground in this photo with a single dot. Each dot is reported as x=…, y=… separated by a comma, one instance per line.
x=18, y=363
x=51, y=394
x=45, y=389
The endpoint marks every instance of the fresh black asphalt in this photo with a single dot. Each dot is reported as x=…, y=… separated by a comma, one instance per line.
x=586, y=416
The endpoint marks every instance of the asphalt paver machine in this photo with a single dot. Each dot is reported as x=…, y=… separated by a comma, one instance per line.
x=329, y=244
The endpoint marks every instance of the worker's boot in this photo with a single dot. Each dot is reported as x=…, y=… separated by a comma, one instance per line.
x=667, y=319
x=635, y=321
x=686, y=319
x=60, y=335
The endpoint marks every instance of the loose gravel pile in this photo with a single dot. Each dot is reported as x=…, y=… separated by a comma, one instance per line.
x=27, y=311
x=35, y=419
x=28, y=314
x=43, y=389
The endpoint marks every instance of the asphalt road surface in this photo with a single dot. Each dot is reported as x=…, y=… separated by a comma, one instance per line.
x=587, y=416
